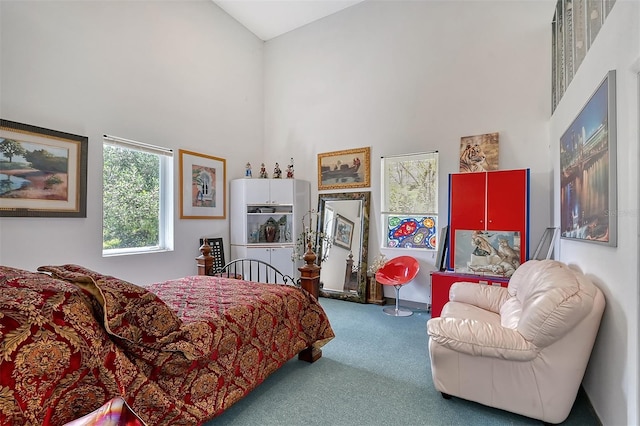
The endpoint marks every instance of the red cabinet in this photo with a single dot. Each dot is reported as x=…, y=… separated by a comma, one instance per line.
x=496, y=200
x=441, y=282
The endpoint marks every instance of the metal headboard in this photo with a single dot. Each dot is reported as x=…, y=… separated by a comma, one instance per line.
x=255, y=270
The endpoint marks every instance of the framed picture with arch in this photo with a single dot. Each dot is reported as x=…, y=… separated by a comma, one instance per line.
x=202, y=186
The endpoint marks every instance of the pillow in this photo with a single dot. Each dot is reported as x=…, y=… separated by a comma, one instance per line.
x=131, y=313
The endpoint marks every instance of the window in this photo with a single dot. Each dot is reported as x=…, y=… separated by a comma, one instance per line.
x=137, y=197
x=410, y=201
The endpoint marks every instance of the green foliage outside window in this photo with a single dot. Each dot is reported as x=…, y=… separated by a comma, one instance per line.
x=131, y=198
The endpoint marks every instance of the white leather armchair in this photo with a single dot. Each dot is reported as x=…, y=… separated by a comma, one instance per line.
x=523, y=348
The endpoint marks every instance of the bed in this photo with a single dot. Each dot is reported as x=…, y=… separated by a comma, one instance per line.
x=178, y=352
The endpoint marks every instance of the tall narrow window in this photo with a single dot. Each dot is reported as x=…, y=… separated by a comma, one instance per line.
x=137, y=197
x=410, y=201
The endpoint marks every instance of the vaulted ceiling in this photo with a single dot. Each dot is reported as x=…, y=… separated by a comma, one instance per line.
x=270, y=18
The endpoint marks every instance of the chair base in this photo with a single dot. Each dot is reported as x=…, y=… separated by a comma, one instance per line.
x=397, y=312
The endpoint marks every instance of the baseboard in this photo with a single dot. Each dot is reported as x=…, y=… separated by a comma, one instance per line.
x=418, y=306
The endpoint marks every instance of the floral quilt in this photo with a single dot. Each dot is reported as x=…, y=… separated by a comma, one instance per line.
x=178, y=352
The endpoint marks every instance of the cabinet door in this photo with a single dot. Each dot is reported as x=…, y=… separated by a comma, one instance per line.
x=259, y=253
x=466, y=205
x=281, y=191
x=467, y=200
x=281, y=260
x=257, y=191
x=507, y=204
x=278, y=257
x=269, y=191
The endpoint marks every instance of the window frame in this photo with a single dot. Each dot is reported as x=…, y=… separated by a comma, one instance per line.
x=423, y=217
x=166, y=195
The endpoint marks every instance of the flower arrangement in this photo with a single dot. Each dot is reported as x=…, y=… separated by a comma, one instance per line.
x=377, y=263
x=320, y=241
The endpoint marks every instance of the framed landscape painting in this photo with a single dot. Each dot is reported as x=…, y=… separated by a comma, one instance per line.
x=588, y=204
x=43, y=172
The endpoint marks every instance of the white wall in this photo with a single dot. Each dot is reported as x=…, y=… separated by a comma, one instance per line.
x=398, y=76
x=612, y=376
x=407, y=76
x=179, y=74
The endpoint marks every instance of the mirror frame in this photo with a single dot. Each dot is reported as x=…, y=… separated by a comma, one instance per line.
x=365, y=197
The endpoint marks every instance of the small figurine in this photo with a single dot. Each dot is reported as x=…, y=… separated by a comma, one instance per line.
x=290, y=169
x=247, y=171
x=263, y=172
x=277, y=173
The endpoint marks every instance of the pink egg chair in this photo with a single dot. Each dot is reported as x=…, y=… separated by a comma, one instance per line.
x=398, y=272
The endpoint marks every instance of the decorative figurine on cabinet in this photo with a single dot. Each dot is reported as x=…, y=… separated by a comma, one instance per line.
x=290, y=169
x=247, y=170
x=277, y=173
x=263, y=172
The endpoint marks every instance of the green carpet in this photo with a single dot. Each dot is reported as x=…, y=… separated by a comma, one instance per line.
x=375, y=372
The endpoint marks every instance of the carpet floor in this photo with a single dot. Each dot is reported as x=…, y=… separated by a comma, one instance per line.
x=375, y=372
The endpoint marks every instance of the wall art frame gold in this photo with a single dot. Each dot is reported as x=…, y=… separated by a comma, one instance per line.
x=203, y=183
x=349, y=168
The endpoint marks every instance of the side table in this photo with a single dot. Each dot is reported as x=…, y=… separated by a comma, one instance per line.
x=374, y=292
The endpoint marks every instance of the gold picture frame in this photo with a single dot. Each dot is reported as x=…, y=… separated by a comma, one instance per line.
x=349, y=168
x=43, y=172
x=203, y=183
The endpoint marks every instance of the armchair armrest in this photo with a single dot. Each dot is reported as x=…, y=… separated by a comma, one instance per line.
x=487, y=297
x=478, y=338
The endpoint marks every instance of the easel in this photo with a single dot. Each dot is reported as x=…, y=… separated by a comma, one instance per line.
x=547, y=241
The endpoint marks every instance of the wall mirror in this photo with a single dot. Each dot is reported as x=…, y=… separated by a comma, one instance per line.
x=344, y=219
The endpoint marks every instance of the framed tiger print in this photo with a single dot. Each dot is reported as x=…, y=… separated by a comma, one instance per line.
x=479, y=153
x=588, y=201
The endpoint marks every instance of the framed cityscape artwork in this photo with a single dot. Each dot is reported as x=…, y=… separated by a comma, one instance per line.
x=588, y=200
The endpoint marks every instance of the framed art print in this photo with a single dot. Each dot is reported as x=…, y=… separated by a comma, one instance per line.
x=343, y=232
x=202, y=186
x=479, y=153
x=344, y=169
x=588, y=170
x=43, y=172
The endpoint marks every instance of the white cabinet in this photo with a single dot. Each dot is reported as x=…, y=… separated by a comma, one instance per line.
x=270, y=191
x=266, y=220
x=278, y=257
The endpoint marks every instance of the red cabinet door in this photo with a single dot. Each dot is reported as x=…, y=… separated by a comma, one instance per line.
x=496, y=200
x=507, y=204
x=467, y=207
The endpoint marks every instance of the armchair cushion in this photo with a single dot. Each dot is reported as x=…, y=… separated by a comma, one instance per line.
x=486, y=297
x=481, y=338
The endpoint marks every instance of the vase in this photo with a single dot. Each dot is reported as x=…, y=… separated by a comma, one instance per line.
x=270, y=233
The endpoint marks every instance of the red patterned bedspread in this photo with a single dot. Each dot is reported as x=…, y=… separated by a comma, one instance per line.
x=179, y=352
